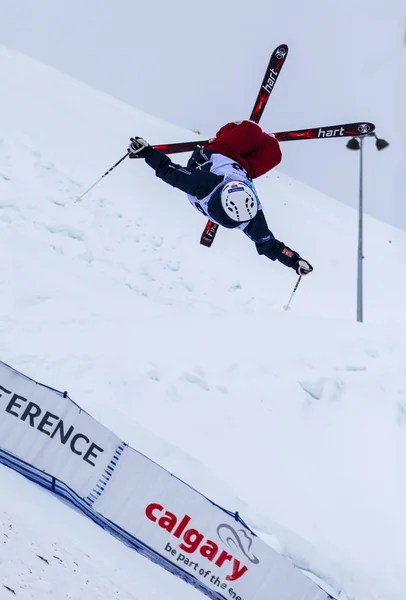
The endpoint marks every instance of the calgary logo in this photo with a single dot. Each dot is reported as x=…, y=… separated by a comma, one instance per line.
x=193, y=542
x=237, y=540
x=364, y=128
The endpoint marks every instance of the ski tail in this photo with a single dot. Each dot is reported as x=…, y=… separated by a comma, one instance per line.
x=331, y=131
x=275, y=65
x=209, y=233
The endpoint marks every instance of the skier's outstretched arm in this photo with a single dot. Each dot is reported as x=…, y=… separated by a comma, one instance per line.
x=192, y=181
x=266, y=243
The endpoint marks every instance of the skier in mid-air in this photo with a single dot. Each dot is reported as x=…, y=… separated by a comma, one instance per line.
x=218, y=183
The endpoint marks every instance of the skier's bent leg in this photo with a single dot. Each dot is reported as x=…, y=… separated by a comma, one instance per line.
x=266, y=157
x=239, y=138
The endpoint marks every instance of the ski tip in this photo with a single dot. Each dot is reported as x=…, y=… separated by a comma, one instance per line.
x=281, y=50
x=366, y=128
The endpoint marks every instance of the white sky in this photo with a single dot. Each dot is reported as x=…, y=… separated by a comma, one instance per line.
x=200, y=65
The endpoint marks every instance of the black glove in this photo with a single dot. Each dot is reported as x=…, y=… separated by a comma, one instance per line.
x=138, y=148
x=302, y=267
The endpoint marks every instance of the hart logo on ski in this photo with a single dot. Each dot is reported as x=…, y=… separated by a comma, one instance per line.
x=271, y=81
x=331, y=132
x=271, y=75
x=193, y=542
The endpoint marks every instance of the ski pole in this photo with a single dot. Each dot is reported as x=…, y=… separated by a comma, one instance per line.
x=287, y=306
x=106, y=173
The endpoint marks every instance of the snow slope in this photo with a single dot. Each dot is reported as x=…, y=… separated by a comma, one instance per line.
x=295, y=419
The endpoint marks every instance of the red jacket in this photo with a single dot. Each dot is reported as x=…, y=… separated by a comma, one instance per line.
x=245, y=142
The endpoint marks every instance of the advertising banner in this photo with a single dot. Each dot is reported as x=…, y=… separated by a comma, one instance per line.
x=197, y=536
x=49, y=439
x=48, y=430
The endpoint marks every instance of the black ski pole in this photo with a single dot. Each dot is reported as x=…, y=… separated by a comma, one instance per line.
x=106, y=173
x=287, y=306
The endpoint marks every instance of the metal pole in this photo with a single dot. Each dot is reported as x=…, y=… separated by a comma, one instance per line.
x=287, y=306
x=360, y=234
x=104, y=175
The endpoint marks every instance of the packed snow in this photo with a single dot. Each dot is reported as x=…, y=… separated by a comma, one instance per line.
x=295, y=419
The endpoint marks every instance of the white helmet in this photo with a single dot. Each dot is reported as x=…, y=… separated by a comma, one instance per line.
x=239, y=201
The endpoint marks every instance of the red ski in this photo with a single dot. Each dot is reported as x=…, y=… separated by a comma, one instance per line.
x=332, y=131
x=271, y=75
x=314, y=133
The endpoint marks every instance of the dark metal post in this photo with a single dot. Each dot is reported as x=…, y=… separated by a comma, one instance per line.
x=360, y=234
x=357, y=143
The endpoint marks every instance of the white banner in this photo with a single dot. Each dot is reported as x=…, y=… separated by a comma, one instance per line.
x=139, y=501
x=191, y=532
x=50, y=432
